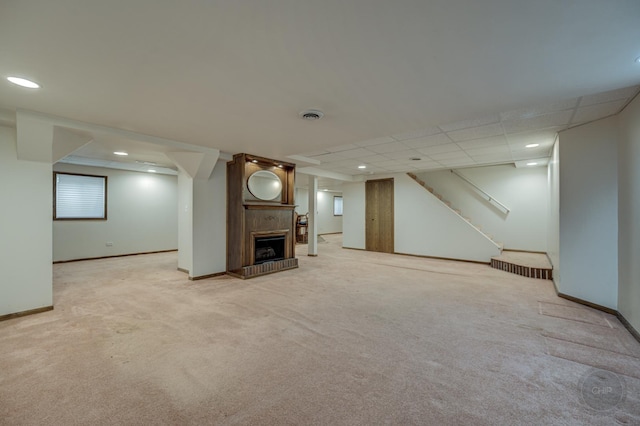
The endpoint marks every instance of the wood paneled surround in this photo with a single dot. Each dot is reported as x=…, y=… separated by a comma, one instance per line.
x=379, y=215
x=248, y=217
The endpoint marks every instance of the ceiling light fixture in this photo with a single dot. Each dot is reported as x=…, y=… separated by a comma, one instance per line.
x=532, y=164
x=151, y=171
x=312, y=114
x=532, y=145
x=122, y=153
x=254, y=161
x=362, y=166
x=24, y=82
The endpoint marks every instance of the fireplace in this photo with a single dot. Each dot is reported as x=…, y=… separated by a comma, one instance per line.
x=269, y=249
x=260, y=211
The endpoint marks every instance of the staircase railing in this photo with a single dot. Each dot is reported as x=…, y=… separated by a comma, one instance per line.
x=487, y=196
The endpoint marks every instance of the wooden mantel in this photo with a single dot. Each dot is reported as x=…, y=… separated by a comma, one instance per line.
x=249, y=217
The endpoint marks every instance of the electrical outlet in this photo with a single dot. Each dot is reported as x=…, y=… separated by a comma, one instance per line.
x=109, y=244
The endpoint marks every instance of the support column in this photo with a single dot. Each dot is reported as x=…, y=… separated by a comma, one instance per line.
x=201, y=213
x=313, y=209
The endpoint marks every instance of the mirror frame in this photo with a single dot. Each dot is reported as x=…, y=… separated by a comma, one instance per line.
x=260, y=192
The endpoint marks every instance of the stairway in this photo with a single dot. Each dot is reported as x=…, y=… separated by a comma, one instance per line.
x=456, y=211
x=532, y=265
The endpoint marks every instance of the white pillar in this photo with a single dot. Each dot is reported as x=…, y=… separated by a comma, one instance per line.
x=202, y=213
x=313, y=209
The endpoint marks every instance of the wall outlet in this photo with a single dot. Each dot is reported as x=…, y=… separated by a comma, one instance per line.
x=109, y=244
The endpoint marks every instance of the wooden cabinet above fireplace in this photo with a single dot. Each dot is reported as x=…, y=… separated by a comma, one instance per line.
x=260, y=216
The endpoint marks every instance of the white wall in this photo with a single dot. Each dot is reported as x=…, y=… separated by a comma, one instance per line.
x=210, y=223
x=553, y=227
x=523, y=190
x=629, y=214
x=589, y=212
x=301, y=197
x=327, y=222
x=185, y=221
x=353, y=215
x=25, y=230
x=142, y=217
x=423, y=225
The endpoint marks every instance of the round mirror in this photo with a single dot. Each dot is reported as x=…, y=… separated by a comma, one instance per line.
x=264, y=185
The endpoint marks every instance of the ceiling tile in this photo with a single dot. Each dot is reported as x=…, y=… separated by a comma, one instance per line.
x=476, y=132
x=481, y=143
x=388, y=147
x=539, y=109
x=313, y=153
x=370, y=159
x=458, y=125
x=538, y=122
x=426, y=141
x=416, y=133
x=613, y=95
x=403, y=155
x=448, y=155
x=492, y=158
x=458, y=162
x=342, y=148
x=356, y=153
x=598, y=111
x=376, y=141
x=542, y=137
x=450, y=147
x=488, y=150
x=389, y=163
x=328, y=157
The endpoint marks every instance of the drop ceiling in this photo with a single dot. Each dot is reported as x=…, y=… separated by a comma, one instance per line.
x=456, y=83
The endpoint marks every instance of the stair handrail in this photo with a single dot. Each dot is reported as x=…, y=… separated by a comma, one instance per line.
x=483, y=192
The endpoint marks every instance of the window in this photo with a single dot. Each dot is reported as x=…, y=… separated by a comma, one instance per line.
x=79, y=196
x=337, y=206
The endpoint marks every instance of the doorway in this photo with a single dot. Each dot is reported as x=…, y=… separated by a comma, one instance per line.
x=379, y=215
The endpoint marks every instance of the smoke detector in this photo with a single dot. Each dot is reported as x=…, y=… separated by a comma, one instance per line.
x=312, y=114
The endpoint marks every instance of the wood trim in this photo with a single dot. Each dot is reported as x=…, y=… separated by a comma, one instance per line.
x=269, y=206
x=525, y=251
x=440, y=258
x=115, y=255
x=331, y=233
x=25, y=313
x=589, y=304
x=628, y=326
x=202, y=277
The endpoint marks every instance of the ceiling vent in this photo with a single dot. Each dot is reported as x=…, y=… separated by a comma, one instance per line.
x=312, y=114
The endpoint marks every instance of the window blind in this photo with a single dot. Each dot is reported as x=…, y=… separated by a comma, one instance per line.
x=80, y=197
x=337, y=206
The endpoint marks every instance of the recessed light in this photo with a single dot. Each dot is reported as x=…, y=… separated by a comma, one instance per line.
x=362, y=166
x=24, y=82
x=532, y=145
x=415, y=158
x=532, y=164
x=120, y=153
x=254, y=161
x=151, y=171
x=325, y=190
x=280, y=165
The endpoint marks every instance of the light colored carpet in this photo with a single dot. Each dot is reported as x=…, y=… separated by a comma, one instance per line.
x=350, y=337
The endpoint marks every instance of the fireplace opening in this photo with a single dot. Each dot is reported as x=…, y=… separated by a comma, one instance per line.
x=269, y=249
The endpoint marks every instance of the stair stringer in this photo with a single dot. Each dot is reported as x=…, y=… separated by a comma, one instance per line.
x=426, y=226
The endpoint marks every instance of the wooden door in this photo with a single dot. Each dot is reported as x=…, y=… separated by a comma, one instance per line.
x=379, y=215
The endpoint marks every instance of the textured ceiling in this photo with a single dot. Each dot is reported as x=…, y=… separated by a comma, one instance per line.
x=453, y=82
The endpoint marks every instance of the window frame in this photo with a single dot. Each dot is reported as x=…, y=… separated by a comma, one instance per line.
x=341, y=205
x=55, y=189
